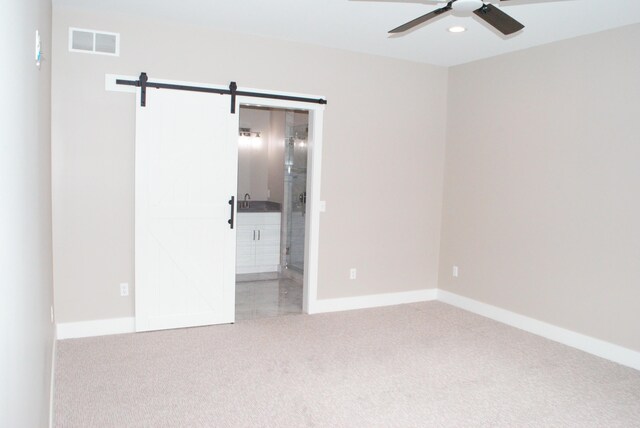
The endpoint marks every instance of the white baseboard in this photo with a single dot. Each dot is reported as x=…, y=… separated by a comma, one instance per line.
x=53, y=377
x=72, y=330
x=372, y=301
x=591, y=345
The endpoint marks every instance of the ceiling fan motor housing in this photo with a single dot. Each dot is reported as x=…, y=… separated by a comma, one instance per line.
x=466, y=6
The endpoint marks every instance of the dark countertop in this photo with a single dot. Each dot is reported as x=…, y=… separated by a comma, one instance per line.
x=258, y=207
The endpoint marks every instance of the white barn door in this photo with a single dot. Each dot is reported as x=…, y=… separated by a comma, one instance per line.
x=186, y=173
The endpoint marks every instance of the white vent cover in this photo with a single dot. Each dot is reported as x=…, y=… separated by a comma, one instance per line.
x=92, y=41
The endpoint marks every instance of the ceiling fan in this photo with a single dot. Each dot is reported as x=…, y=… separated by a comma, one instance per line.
x=485, y=11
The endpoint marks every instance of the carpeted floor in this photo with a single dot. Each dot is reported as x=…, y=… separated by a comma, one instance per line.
x=416, y=365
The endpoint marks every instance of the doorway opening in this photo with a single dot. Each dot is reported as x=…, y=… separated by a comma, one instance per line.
x=271, y=211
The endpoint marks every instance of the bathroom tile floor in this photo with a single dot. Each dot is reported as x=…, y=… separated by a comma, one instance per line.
x=267, y=298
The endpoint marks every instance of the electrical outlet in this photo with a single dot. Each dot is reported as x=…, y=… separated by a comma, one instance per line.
x=455, y=271
x=124, y=289
x=352, y=273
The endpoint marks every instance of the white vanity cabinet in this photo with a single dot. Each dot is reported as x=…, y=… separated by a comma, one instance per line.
x=257, y=242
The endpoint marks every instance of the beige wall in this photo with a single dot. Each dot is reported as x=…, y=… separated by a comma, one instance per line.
x=541, y=196
x=26, y=331
x=381, y=171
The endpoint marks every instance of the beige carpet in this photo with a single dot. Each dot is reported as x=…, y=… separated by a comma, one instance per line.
x=417, y=365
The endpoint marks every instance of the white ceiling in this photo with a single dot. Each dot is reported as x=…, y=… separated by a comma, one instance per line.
x=362, y=25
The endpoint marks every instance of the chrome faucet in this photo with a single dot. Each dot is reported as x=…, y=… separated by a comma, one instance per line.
x=247, y=198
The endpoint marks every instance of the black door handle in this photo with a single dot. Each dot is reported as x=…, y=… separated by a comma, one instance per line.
x=232, y=203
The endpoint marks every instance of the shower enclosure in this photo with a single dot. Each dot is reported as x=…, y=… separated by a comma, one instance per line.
x=295, y=189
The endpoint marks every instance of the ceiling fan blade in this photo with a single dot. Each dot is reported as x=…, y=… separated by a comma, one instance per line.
x=498, y=19
x=424, y=18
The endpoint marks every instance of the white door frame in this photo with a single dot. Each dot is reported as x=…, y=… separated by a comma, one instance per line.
x=316, y=120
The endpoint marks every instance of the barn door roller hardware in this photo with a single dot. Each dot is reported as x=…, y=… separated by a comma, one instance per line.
x=143, y=83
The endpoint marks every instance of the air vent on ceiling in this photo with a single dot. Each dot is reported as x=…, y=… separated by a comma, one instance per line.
x=92, y=41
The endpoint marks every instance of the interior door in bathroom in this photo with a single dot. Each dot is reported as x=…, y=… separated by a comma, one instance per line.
x=186, y=173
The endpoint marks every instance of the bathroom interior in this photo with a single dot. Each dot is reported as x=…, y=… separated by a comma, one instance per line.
x=271, y=211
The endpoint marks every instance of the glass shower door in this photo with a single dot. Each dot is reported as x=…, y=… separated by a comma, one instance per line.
x=295, y=191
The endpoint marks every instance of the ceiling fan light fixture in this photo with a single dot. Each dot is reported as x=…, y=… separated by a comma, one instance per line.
x=457, y=29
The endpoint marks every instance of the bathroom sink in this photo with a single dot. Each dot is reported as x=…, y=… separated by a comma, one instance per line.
x=258, y=207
